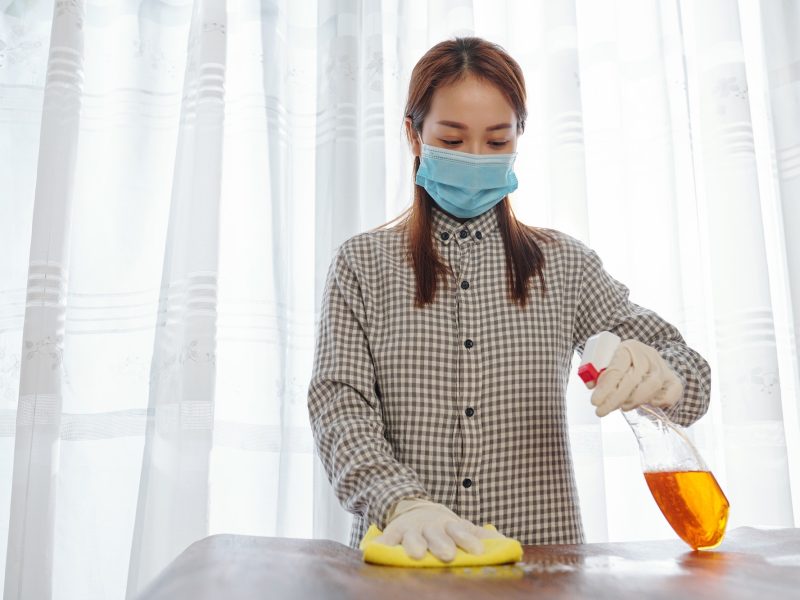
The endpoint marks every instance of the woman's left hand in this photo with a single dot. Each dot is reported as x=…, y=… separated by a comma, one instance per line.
x=637, y=374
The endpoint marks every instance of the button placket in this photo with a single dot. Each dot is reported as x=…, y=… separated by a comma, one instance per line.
x=470, y=376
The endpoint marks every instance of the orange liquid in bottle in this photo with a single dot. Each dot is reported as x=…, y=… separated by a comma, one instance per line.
x=693, y=503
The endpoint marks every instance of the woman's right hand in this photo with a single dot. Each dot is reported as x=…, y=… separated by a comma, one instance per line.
x=420, y=525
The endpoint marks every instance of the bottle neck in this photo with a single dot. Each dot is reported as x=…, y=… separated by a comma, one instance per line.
x=663, y=445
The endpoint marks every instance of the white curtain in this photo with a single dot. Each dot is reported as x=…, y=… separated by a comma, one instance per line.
x=175, y=174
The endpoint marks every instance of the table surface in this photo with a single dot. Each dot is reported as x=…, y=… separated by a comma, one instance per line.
x=750, y=563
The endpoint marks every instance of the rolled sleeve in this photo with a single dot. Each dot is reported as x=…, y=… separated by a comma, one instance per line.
x=603, y=305
x=345, y=407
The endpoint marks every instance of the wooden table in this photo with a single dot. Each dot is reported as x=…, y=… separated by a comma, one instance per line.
x=750, y=563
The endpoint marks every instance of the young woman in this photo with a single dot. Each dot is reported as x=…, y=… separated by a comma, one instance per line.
x=437, y=399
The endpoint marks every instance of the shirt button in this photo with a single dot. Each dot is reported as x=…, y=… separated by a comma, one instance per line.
x=464, y=285
x=478, y=234
x=467, y=482
x=464, y=233
x=444, y=235
x=469, y=412
x=468, y=344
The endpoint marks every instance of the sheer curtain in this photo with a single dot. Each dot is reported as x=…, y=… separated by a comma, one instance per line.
x=175, y=175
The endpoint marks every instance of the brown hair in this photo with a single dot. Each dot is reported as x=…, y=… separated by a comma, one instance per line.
x=445, y=63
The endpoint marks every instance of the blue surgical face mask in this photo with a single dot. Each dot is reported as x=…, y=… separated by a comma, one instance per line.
x=466, y=185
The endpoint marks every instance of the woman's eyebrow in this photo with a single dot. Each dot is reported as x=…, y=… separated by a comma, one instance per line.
x=457, y=125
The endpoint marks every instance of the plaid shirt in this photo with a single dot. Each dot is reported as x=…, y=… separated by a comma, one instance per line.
x=463, y=401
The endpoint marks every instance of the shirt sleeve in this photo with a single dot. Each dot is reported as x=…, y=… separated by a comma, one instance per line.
x=603, y=305
x=345, y=408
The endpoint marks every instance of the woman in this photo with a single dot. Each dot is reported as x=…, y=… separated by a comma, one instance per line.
x=437, y=400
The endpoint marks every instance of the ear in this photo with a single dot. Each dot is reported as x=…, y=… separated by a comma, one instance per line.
x=413, y=137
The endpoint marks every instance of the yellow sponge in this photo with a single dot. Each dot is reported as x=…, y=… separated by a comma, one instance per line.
x=495, y=552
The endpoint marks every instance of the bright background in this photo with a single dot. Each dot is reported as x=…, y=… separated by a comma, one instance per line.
x=175, y=175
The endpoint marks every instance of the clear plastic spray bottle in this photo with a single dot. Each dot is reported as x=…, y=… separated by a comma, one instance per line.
x=682, y=485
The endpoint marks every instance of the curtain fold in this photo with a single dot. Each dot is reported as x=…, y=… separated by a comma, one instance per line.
x=780, y=173
x=39, y=411
x=177, y=174
x=744, y=327
x=172, y=509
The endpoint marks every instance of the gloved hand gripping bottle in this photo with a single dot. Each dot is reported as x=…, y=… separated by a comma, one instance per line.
x=684, y=489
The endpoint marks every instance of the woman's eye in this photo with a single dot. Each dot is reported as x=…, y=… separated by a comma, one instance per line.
x=451, y=142
x=498, y=144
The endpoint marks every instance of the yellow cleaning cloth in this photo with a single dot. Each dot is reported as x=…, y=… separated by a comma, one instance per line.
x=495, y=552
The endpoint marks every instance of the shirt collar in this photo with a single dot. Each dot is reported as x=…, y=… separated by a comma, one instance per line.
x=446, y=228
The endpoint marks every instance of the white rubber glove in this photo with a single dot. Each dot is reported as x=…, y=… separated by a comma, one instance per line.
x=637, y=374
x=421, y=525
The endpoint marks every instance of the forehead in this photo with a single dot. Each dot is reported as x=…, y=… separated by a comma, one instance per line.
x=472, y=101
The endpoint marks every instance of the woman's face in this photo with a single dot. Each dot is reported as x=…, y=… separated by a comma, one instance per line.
x=469, y=115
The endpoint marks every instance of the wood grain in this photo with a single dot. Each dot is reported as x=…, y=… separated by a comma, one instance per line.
x=750, y=563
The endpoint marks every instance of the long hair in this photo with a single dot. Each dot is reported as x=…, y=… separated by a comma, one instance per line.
x=445, y=63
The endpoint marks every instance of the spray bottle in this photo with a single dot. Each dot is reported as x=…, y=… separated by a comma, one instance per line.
x=682, y=485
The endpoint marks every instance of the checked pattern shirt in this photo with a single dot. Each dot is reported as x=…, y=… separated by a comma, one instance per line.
x=463, y=401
